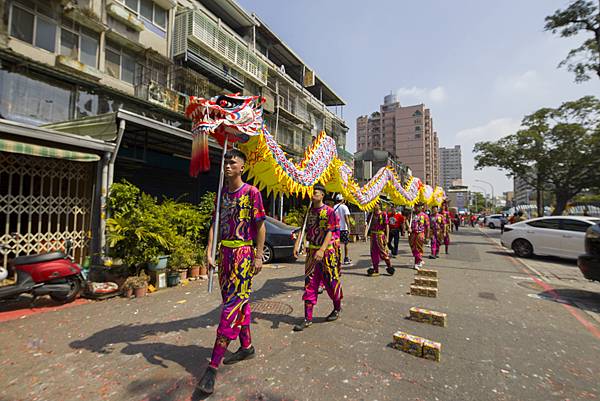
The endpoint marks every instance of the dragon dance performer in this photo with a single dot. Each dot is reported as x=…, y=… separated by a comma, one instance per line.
x=242, y=224
x=419, y=231
x=322, y=259
x=380, y=230
x=447, y=224
x=437, y=232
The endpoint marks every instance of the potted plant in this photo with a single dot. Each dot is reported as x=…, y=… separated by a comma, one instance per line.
x=183, y=255
x=135, y=285
x=137, y=230
x=199, y=266
x=127, y=287
x=140, y=287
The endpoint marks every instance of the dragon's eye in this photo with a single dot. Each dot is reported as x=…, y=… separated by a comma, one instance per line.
x=225, y=103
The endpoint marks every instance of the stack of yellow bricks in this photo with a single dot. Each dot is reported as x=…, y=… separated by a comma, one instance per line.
x=426, y=284
x=428, y=316
x=417, y=346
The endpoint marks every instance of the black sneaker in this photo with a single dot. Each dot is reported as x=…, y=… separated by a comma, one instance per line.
x=372, y=273
x=207, y=383
x=333, y=315
x=303, y=325
x=390, y=270
x=431, y=256
x=240, y=355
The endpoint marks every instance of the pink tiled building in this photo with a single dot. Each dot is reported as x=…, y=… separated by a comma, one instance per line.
x=405, y=131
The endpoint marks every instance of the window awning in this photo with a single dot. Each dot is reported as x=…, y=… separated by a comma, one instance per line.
x=23, y=148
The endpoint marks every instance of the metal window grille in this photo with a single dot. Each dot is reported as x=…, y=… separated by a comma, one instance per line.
x=47, y=202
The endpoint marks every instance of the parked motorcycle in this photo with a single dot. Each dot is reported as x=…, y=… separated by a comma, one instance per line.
x=55, y=274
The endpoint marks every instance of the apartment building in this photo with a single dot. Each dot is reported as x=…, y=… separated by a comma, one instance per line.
x=450, y=166
x=405, y=131
x=93, y=91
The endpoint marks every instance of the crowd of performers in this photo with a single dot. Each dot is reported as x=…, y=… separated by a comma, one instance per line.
x=242, y=236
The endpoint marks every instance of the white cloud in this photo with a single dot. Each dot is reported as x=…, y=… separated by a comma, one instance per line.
x=438, y=94
x=490, y=131
x=435, y=95
x=529, y=81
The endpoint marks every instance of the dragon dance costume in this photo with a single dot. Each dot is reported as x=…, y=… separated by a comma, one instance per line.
x=379, y=251
x=447, y=228
x=419, y=227
x=321, y=221
x=438, y=227
x=241, y=210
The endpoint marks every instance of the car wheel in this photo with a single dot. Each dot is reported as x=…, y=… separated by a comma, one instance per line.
x=492, y=226
x=522, y=248
x=267, y=253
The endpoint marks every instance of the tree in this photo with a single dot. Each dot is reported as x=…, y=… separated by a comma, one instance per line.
x=580, y=16
x=555, y=150
x=479, y=202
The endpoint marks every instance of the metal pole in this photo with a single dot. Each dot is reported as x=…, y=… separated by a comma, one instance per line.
x=217, y=219
x=304, y=227
x=280, y=207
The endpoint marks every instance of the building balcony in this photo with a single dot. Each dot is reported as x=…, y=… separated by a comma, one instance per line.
x=73, y=65
x=198, y=32
x=123, y=15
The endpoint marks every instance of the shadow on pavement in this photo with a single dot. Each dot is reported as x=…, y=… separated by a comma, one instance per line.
x=582, y=299
x=193, y=358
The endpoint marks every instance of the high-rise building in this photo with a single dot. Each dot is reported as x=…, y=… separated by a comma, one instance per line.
x=450, y=166
x=523, y=193
x=406, y=132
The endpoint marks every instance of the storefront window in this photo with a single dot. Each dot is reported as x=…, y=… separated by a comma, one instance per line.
x=28, y=99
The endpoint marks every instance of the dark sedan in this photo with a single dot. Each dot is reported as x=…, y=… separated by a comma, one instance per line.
x=280, y=240
x=589, y=263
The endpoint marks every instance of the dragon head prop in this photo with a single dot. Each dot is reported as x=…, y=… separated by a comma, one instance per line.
x=231, y=116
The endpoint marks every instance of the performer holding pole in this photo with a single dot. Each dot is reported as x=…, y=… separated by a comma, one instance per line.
x=322, y=264
x=437, y=232
x=419, y=231
x=241, y=225
x=379, y=233
x=447, y=224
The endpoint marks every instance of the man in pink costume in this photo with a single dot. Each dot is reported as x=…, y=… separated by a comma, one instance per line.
x=380, y=230
x=419, y=231
x=437, y=232
x=447, y=225
x=241, y=229
x=322, y=259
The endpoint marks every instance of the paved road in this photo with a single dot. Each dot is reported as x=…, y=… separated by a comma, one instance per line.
x=566, y=279
x=504, y=341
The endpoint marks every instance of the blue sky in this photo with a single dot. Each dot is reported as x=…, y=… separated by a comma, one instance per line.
x=479, y=65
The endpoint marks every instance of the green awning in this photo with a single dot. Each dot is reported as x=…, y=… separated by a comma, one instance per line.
x=45, y=151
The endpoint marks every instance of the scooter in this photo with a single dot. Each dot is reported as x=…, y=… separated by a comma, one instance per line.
x=54, y=274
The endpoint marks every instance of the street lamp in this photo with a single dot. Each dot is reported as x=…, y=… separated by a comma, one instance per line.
x=484, y=193
x=493, y=198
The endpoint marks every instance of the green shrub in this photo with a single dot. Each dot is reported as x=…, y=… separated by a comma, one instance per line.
x=140, y=229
